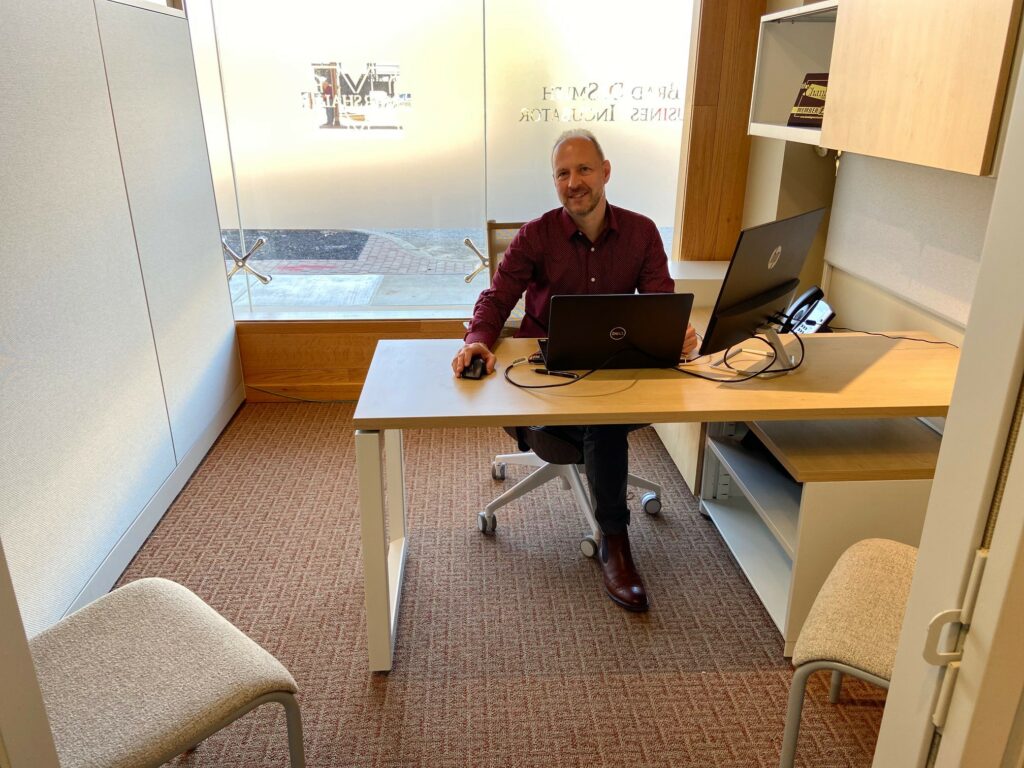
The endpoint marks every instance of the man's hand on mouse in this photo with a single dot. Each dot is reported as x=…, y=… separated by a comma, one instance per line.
x=464, y=355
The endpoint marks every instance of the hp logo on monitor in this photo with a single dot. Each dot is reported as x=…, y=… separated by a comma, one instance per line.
x=618, y=333
x=774, y=258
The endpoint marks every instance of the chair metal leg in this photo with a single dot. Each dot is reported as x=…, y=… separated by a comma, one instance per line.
x=640, y=482
x=836, y=687
x=793, y=711
x=583, y=498
x=796, y=699
x=530, y=459
x=533, y=480
x=286, y=699
x=296, y=751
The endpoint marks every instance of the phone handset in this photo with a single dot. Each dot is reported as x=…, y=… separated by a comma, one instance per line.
x=810, y=313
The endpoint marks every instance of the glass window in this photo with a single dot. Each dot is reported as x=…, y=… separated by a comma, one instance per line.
x=365, y=144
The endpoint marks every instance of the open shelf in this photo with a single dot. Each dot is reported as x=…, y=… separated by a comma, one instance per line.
x=762, y=560
x=774, y=495
x=791, y=44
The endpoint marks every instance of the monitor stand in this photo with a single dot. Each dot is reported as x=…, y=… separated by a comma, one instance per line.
x=784, y=362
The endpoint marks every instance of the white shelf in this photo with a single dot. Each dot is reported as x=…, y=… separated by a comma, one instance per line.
x=759, y=556
x=773, y=494
x=824, y=11
x=786, y=133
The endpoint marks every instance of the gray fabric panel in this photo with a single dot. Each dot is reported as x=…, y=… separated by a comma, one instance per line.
x=142, y=671
x=159, y=127
x=916, y=232
x=84, y=441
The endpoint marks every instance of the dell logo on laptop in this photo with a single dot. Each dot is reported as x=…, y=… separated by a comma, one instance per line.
x=618, y=333
x=774, y=258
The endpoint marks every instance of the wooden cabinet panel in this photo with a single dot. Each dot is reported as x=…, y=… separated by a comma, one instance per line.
x=322, y=359
x=920, y=81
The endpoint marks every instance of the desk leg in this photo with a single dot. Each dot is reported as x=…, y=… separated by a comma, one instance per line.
x=384, y=551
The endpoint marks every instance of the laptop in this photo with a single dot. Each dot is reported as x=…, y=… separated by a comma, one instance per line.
x=620, y=330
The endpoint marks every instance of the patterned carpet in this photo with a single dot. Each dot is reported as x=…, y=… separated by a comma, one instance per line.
x=508, y=653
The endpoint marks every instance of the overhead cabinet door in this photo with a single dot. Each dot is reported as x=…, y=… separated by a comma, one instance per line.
x=920, y=81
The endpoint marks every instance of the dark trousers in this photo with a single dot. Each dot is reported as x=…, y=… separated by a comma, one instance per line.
x=606, y=456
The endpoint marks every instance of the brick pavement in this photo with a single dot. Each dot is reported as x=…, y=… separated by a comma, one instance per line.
x=386, y=253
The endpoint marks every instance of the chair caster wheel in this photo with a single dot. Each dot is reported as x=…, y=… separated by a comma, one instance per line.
x=486, y=524
x=498, y=470
x=588, y=547
x=651, y=503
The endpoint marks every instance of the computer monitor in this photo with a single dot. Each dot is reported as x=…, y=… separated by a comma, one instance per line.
x=761, y=279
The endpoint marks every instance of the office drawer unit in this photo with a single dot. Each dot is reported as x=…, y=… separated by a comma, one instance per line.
x=790, y=502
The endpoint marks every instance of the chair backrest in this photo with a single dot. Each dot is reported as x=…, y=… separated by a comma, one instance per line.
x=499, y=235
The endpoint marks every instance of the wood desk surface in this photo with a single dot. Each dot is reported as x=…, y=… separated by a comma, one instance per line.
x=410, y=385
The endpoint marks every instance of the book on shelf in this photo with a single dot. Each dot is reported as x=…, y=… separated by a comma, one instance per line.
x=809, y=108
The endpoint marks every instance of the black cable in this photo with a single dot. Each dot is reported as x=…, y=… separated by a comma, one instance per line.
x=898, y=338
x=295, y=397
x=753, y=375
x=576, y=377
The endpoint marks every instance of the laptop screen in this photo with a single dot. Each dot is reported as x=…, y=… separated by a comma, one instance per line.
x=621, y=330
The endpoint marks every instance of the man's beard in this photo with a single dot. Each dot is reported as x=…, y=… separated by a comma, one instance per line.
x=591, y=209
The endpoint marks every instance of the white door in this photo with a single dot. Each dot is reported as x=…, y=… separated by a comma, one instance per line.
x=974, y=450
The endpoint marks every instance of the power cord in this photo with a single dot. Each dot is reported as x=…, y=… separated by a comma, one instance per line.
x=898, y=338
x=573, y=377
x=296, y=397
x=753, y=375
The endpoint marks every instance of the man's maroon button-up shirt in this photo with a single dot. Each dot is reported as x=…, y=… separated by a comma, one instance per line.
x=550, y=256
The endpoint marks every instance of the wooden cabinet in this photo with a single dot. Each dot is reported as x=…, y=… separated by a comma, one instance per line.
x=918, y=81
x=789, y=504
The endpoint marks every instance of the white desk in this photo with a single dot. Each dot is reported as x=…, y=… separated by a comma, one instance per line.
x=410, y=386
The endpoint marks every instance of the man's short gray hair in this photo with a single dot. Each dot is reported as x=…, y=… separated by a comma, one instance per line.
x=579, y=133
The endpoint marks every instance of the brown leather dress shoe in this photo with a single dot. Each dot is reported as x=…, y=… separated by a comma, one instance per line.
x=621, y=580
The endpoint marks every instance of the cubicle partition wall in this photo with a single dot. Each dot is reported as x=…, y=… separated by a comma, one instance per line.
x=118, y=358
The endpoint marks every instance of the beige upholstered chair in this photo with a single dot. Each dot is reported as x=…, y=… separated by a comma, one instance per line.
x=147, y=672
x=854, y=625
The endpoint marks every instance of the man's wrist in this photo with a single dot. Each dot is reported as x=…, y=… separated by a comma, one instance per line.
x=474, y=339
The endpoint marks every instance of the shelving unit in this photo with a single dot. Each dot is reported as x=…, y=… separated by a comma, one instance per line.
x=789, y=506
x=791, y=44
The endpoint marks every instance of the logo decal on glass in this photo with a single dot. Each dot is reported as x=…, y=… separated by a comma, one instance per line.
x=618, y=333
x=774, y=258
x=361, y=100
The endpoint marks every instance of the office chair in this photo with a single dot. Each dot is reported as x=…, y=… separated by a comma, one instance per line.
x=555, y=456
x=853, y=626
x=148, y=671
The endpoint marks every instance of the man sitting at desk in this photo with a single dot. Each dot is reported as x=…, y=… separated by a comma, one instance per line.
x=586, y=246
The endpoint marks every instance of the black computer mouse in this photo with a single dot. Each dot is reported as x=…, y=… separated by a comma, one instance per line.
x=476, y=369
